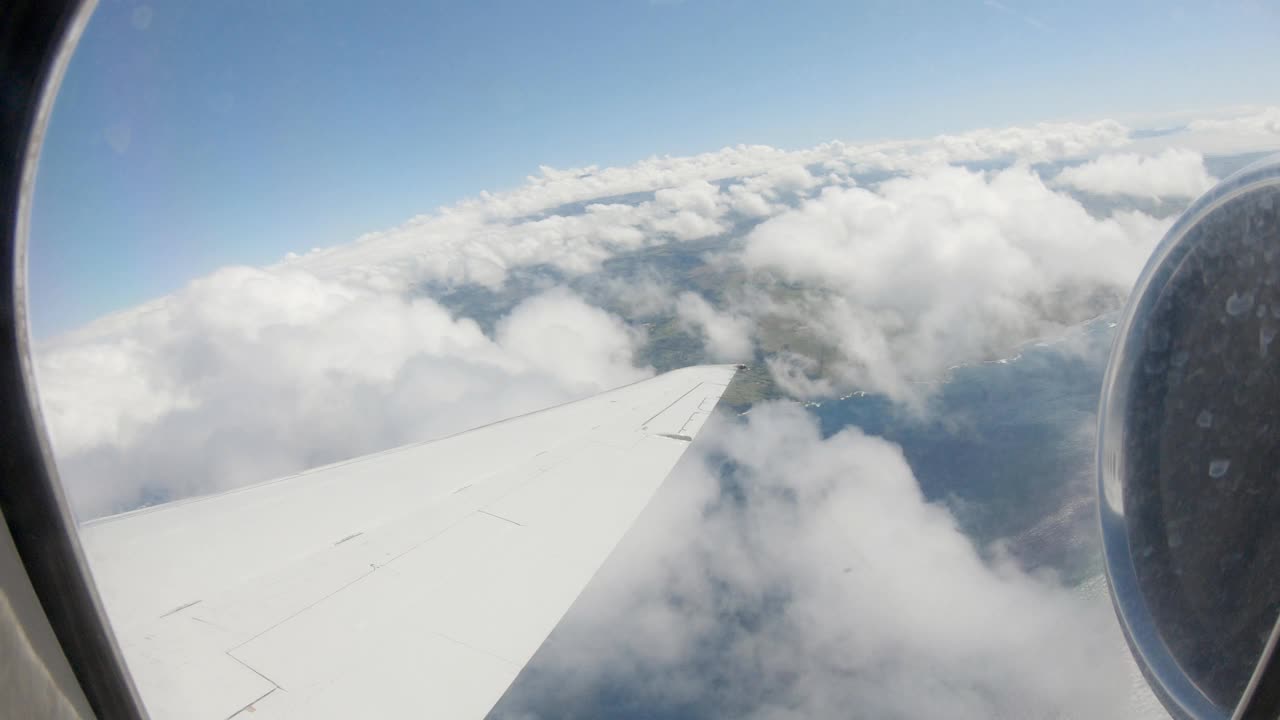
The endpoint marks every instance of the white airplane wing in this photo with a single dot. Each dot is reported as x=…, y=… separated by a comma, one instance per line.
x=416, y=582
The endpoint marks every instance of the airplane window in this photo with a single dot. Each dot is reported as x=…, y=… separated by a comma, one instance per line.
x=668, y=359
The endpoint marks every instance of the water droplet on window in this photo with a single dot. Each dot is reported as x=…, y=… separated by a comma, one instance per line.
x=1265, y=336
x=1219, y=467
x=1204, y=419
x=1239, y=303
x=1242, y=394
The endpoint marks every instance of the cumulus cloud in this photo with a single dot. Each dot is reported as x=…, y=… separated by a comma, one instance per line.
x=466, y=244
x=779, y=574
x=1262, y=121
x=749, y=203
x=482, y=239
x=207, y=388
x=903, y=277
x=1044, y=142
x=1222, y=132
x=692, y=211
x=873, y=266
x=642, y=294
x=1172, y=173
x=945, y=267
x=250, y=374
x=727, y=337
x=581, y=347
x=1251, y=130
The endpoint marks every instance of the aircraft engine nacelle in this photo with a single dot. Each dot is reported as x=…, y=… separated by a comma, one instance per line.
x=1189, y=456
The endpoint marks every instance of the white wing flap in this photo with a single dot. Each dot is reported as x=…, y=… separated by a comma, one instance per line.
x=415, y=582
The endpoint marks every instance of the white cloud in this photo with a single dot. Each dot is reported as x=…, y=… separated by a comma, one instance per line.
x=894, y=277
x=783, y=179
x=1043, y=142
x=644, y=294
x=1172, y=173
x=468, y=244
x=482, y=239
x=749, y=203
x=250, y=374
x=825, y=582
x=582, y=347
x=800, y=375
x=237, y=358
x=1250, y=130
x=1225, y=131
x=1261, y=121
x=727, y=337
x=946, y=267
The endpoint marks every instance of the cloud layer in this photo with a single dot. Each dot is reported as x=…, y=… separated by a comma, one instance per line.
x=250, y=374
x=783, y=575
x=940, y=268
x=1172, y=173
x=844, y=267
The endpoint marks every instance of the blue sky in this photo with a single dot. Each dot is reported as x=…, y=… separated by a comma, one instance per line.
x=188, y=137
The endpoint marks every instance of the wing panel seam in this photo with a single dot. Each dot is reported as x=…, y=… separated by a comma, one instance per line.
x=252, y=702
x=672, y=404
x=255, y=671
x=499, y=517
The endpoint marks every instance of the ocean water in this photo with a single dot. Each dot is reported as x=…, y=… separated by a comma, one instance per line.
x=1008, y=446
